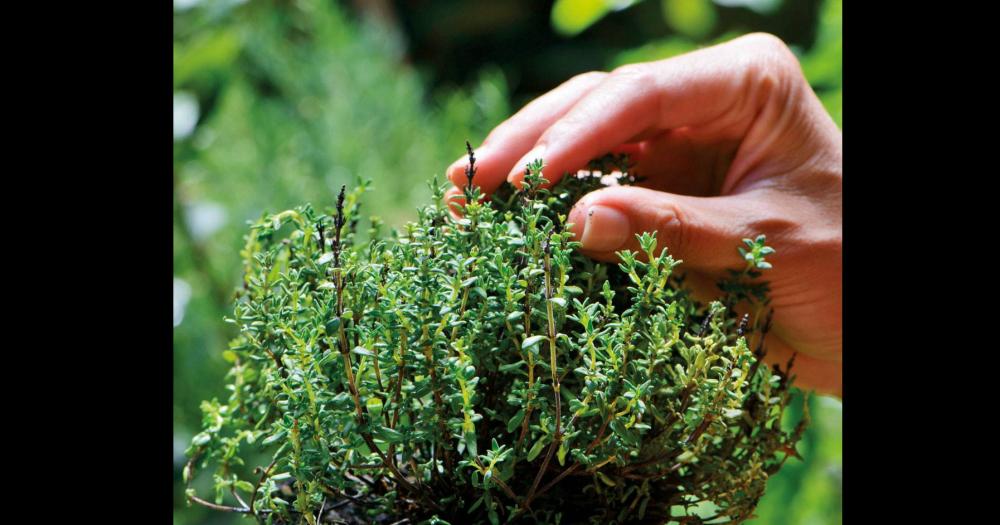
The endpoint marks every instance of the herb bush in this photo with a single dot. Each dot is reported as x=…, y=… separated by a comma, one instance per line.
x=481, y=370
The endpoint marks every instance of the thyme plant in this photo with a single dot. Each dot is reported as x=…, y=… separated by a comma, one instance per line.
x=481, y=370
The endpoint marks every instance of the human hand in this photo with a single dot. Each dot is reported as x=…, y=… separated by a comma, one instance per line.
x=733, y=143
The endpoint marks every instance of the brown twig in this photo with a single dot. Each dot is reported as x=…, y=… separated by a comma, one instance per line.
x=500, y=483
x=223, y=508
x=263, y=476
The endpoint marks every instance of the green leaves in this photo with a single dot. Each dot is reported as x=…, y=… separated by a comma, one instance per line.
x=374, y=406
x=360, y=350
x=396, y=359
x=390, y=435
x=469, y=436
x=515, y=420
x=605, y=479
x=537, y=448
x=757, y=250
x=627, y=436
x=743, y=285
x=532, y=341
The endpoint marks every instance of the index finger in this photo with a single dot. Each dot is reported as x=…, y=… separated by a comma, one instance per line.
x=508, y=141
x=720, y=88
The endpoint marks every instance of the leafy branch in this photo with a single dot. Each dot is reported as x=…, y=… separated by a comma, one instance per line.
x=479, y=369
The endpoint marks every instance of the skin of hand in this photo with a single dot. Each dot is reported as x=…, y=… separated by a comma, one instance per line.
x=733, y=143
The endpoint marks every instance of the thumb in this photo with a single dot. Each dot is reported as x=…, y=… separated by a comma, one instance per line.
x=702, y=231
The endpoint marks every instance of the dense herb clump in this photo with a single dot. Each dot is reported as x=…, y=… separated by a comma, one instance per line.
x=481, y=370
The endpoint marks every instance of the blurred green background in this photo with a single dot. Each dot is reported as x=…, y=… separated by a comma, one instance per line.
x=277, y=103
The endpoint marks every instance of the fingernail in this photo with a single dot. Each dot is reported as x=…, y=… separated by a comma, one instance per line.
x=605, y=229
x=517, y=173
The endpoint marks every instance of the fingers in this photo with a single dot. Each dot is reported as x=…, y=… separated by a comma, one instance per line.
x=511, y=139
x=704, y=232
x=613, y=112
x=454, y=198
x=825, y=376
x=680, y=161
x=721, y=89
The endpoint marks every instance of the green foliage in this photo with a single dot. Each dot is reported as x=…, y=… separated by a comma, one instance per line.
x=287, y=102
x=480, y=370
x=290, y=101
x=354, y=106
x=570, y=17
x=693, y=18
x=809, y=491
x=694, y=22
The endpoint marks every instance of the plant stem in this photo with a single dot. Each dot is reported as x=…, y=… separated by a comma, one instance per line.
x=557, y=436
x=263, y=476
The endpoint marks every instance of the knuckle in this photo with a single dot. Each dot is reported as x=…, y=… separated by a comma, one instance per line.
x=672, y=224
x=819, y=238
x=775, y=226
x=782, y=233
x=631, y=72
x=590, y=77
x=771, y=56
x=766, y=43
x=568, y=125
x=770, y=68
x=814, y=249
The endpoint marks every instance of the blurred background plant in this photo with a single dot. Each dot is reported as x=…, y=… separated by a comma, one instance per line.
x=279, y=103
